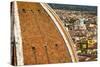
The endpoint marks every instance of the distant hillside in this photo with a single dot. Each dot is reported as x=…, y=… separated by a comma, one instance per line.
x=73, y=7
